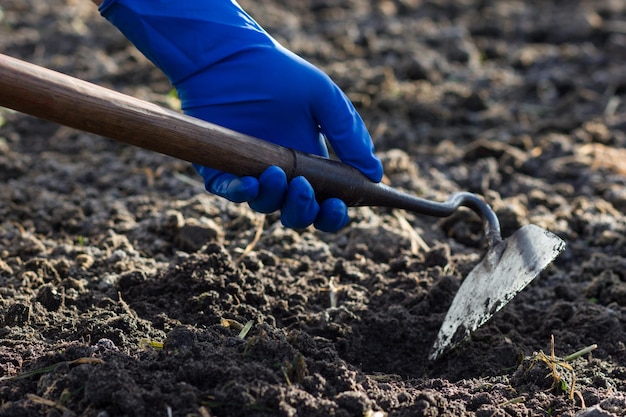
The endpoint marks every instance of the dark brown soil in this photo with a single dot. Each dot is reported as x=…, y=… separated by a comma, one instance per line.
x=124, y=287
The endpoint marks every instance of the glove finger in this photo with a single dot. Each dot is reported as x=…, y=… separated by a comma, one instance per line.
x=300, y=209
x=333, y=215
x=272, y=191
x=345, y=130
x=233, y=188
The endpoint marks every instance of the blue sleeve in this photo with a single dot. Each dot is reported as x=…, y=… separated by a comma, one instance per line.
x=185, y=37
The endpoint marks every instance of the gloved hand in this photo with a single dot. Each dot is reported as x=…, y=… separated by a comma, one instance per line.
x=229, y=71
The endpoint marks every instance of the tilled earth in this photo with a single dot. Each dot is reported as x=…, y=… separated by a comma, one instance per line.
x=125, y=289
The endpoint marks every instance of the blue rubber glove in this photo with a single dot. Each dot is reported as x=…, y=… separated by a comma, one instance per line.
x=229, y=71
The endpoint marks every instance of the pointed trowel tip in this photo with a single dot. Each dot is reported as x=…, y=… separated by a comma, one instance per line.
x=448, y=338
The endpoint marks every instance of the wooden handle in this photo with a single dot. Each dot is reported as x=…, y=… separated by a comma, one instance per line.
x=75, y=103
x=69, y=101
x=66, y=100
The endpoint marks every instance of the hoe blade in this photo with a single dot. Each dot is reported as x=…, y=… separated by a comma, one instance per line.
x=507, y=268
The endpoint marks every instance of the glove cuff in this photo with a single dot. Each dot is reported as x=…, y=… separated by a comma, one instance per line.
x=185, y=37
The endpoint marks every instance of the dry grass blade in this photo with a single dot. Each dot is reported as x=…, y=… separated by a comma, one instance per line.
x=204, y=412
x=417, y=242
x=49, y=403
x=333, y=291
x=255, y=239
x=188, y=180
x=233, y=324
x=51, y=368
x=562, y=373
x=602, y=156
x=596, y=156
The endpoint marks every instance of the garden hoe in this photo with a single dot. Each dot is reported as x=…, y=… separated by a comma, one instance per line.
x=508, y=266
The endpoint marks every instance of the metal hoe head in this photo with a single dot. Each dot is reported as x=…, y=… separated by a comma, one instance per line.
x=507, y=268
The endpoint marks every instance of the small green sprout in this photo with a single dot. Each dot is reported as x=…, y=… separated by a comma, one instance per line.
x=246, y=329
x=580, y=353
x=172, y=99
x=147, y=343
